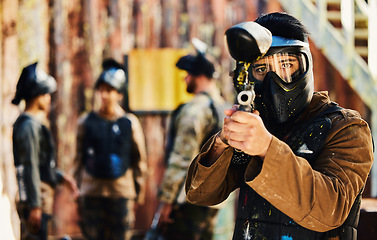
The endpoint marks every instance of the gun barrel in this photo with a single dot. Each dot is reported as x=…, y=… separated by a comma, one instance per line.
x=245, y=99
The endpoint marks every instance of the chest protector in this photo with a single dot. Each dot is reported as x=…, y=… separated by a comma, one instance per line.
x=107, y=146
x=258, y=219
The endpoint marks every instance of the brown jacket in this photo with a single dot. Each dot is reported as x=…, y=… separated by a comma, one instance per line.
x=318, y=198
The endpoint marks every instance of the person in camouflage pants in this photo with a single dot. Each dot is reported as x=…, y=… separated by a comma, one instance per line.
x=192, y=124
x=110, y=163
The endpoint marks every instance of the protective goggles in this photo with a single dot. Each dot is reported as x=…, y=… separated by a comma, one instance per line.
x=287, y=65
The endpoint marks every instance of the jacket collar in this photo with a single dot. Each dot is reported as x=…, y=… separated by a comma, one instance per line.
x=319, y=103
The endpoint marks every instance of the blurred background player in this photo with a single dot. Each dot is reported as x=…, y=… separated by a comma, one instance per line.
x=34, y=154
x=192, y=124
x=110, y=165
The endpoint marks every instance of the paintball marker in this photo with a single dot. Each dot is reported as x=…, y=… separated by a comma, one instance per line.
x=247, y=42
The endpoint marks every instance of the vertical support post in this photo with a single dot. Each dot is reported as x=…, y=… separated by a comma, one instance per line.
x=372, y=64
x=373, y=190
x=348, y=24
x=322, y=20
x=372, y=38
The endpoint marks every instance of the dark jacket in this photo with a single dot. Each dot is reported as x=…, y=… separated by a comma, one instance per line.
x=34, y=158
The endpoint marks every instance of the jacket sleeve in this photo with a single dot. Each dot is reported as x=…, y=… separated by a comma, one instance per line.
x=320, y=197
x=210, y=185
x=26, y=148
x=139, y=155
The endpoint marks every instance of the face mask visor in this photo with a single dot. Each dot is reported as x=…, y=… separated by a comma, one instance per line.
x=290, y=67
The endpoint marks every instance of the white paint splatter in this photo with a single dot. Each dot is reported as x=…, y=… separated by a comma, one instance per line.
x=246, y=232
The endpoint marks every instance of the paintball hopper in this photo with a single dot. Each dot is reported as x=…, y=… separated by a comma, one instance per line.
x=248, y=41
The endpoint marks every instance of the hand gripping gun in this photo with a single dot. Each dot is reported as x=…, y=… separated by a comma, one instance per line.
x=247, y=42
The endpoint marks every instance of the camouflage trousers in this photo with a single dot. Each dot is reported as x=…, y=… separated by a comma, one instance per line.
x=104, y=218
x=191, y=222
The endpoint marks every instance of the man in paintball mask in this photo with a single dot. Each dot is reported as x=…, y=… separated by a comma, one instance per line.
x=299, y=159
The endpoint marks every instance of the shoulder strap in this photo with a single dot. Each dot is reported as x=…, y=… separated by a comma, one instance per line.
x=332, y=109
x=92, y=115
x=215, y=115
x=212, y=106
x=21, y=119
x=172, y=132
x=314, y=133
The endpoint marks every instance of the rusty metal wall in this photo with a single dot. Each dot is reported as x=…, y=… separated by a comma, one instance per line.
x=71, y=38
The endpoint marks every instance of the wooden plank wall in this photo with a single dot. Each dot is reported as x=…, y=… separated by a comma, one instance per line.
x=70, y=39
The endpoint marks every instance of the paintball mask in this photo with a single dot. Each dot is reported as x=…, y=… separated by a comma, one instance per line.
x=113, y=75
x=283, y=80
x=33, y=82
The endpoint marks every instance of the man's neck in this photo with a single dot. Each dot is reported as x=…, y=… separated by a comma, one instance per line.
x=205, y=87
x=109, y=113
x=41, y=115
